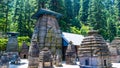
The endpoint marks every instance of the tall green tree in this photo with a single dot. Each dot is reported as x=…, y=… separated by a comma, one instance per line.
x=83, y=13
x=97, y=17
x=5, y=15
x=69, y=9
x=2, y=16
x=58, y=6
x=43, y=3
x=111, y=19
x=76, y=7
x=117, y=9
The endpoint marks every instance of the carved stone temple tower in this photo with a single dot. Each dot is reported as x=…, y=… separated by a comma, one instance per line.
x=46, y=33
x=70, y=54
x=24, y=51
x=12, y=45
x=114, y=48
x=93, y=52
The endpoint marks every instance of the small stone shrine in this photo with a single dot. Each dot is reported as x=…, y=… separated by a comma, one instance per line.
x=4, y=61
x=33, y=55
x=45, y=59
x=93, y=52
x=58, y=59
x=114, y=48
x=47, y=31
x=70, y=54
x=12, y=45
x=24, y=51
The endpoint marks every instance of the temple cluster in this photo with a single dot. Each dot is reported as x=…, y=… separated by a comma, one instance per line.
x=46, y=49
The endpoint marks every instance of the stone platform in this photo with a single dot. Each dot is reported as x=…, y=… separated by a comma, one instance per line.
x=24, y=64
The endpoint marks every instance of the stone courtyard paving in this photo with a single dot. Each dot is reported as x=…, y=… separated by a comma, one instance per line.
x=24, y=64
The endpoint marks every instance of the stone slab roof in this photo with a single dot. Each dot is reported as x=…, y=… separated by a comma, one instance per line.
x=47, y=12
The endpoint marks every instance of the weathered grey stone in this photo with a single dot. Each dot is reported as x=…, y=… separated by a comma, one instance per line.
x=45, y=59
x=94, y=52
x=58, y=58
x=33, y=55
x=4, y=61
x=47, y=31
x=114, y=48
x=12, y=45
x=70, y=54
x=24, y=51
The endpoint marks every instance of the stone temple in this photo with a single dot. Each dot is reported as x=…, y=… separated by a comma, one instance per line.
x=114, y=48
x=93, y=52
x=24, y=51
x=46, y=34
x=12, y=45
x=71, y=54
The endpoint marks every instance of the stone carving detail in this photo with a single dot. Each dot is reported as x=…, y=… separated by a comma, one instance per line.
x=114, y=48
x=94, y=52
x=45, y=59
x=24, y=51
x=70, y=54
x=12, y=45
x=4, y=61
x=47, y=32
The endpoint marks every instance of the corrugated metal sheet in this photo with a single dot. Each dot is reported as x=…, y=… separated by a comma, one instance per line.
x=75, y=38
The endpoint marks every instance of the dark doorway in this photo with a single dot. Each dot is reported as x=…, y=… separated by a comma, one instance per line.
x=86, y=62
x=105, y=63
x=24, y=56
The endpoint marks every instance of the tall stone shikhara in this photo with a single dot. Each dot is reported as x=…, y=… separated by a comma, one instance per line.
x=46, y=33
x=12, y=45
x=12, y=48
x=93, y=52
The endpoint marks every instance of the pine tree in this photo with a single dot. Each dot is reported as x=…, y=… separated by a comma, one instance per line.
x=117, y=11
x=83, y=13
x=2, y=16
x=5, y=15
x=43, y=3
x=69, y=9
x=97, y=17
x=111, y=19
x=76, y=6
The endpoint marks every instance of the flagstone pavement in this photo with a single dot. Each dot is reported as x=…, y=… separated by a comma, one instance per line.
x=24, y=64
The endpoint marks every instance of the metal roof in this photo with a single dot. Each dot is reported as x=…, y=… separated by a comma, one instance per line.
x=75, y=38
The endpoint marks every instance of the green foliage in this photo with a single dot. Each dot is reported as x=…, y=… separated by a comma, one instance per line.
x=76, y=7
x=117, y=10
x=84, y=29
x=97, y=17
x=75, y=30
x=3, y=42
x=22, y=39
x=83, y=13
x=78, y=16
x=118, y=31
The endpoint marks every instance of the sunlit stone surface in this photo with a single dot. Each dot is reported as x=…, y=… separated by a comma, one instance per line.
x=24, y=64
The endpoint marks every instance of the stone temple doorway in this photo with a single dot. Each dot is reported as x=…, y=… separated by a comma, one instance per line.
x=24, y=56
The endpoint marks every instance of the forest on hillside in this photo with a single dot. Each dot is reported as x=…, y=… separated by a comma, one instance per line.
x=79, y=16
